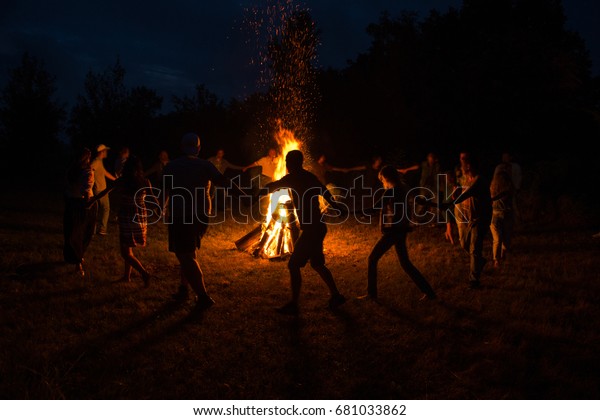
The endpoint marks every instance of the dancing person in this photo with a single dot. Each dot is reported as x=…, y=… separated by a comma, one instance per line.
x=120, y=161
x=513, y=169
x=134, y=189
x=268, y=165
x=222, y=165
x=185, y=183
x=502, y=191
x=473, y=210
x=305, y=189
x=394, y=228
x=155, y=172
x=79, y=218
x=100, y=175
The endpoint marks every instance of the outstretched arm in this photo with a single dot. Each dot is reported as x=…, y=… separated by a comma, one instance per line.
x=410, y=168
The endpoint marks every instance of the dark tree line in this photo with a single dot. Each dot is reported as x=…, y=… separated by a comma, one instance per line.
x=489, y=76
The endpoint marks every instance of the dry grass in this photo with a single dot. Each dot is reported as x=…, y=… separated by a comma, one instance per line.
x=532, y=332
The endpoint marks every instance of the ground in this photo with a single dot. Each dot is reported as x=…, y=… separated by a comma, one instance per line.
x=531, y=332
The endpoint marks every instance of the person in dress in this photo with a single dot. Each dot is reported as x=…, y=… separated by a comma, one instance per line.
x=133, y=190
x=79, y=219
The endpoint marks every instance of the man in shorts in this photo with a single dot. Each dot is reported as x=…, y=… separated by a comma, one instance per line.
x=305, y=189
x=186, y=183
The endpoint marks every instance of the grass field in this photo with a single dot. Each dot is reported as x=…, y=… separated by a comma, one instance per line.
x=532, y=332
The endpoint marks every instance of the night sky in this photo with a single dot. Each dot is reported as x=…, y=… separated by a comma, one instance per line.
x=172, y=46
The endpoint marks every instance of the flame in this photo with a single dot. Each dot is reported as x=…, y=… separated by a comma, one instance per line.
x=287, y=142
x=279, y=242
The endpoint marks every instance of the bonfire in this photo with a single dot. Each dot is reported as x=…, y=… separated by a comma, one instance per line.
x=275, y=236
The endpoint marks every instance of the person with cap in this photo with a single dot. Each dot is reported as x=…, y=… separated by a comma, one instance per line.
x=305, y=189
x=100, y=175
x=186, y=182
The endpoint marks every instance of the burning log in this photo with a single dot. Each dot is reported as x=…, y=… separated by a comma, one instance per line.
x=275, y=238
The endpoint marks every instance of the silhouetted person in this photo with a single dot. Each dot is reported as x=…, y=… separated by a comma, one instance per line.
x=371, y=186
x=513, y=169
x=502, y=192
x=268, y=165
x=371, y=172
x=133, y=189
x=120, y=160
x=100, y=175
x=222, y=165
x=186, y=182
x=155, y=172
x=79, y=217
x=473, y=215
x=321, y=167
x=305, y=190
x=394, y=228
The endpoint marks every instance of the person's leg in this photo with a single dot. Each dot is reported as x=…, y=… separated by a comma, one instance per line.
x=132, y=261
x=191, y=271
x=409, y=268
x=496, y=229
x=104, y=214
x=327, y=277
x=381, y=247
x=477, y=234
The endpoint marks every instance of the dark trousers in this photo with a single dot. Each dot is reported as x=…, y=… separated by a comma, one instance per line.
x=396, y=239
x=78, y=225
x=471, y=240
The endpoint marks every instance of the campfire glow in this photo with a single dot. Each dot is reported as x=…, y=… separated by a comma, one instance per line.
x=276, y=236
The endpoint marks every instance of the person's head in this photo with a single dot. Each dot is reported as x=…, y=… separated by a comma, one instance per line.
x=507, y=157
x=432, y=159
x=83, y=158
x=163, y=156
x=464, y=159
x=389, y=176
x=102, y=151
x=294, y=160
x=132, y=168
x=322, y=159
x=272, y=153
x=190, y=144
x=376, y=162
x=471, y=166
x=220, y=154
x=124, y=153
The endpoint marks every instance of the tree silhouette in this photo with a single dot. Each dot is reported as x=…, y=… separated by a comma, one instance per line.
x=110, y=113
x=30, y=117
x=489, y=76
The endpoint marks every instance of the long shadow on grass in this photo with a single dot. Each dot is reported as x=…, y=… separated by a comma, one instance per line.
x=107, y=355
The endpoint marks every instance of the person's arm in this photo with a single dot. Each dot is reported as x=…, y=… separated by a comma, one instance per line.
x=410, y=168
x=271, y=187
x=229, y=165
x=153, y=169
x=501, y=195
x=252, y=165
x=470, y=191
x=355, y=168
x=217, y=178
x=109, y=175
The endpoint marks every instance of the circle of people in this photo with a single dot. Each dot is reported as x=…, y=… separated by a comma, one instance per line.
x=465, y=199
